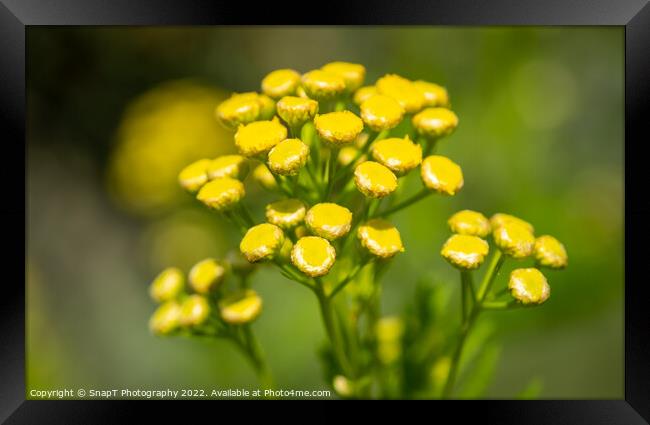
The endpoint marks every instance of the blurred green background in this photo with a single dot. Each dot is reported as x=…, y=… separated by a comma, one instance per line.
x=114, y=113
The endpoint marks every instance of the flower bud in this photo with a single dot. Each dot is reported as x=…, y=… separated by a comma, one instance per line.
x=399, y=155
x=434, y=95
x=322, y=85
x=263, y=176
x=499, y=219
x=549, y=252
x=374, y=180
x=381, y=112
x=239, y=109
x=233, y=166
x=207, y=275
x=259, y=137
x=380, y=237
x=364, y=93
x=195, y=175
x=441, y=174
x=435, y=122
x=464, y=251
x=352, y=73
x=281, y=82
x=195, y=310
x=468, y=222
x=286, y=214
x=338, y=128
x=296, y=111
x=402, y=90
x=349, y=153
x=529, y=286
x=514, y=239
x=167, y=285
x=165, y=319
x=221, y=194
x=288, y=157
x=240, y=307
x=313, y=255
x=328, y=220
x=261, y=242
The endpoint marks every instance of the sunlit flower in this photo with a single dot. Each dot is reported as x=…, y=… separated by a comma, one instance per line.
x=514, y=239
x=374, y=180
x=165, y=319
x=400, y=155
x=296, y=110
x=222, y=193
x=435, y=122
x=468, y=222
x=240, y=307
x=287, y=213
x=352, y=73
x=329, y=220
x=167, y=285
x=259, y=137
x=380, y=237
x=338, y=128
x=195, y=310
x=234, y=166
x=322, y=85
x=206, y=275
x=381, y=112
x=529, y=286
x=313, y=255
x=364, y=93
x=441, y=174
x=281, y=82
x=402, y=90
x=549, y=252
x=499, y=219
x=288, y=157
x=264, y=177
x=465, y=251
x=195, y=175
x=434, y=95
x=242, y=108
x=261, y=242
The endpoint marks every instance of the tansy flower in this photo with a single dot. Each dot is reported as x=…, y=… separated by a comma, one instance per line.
x=313, y=255
x=441, y=174
x=242, y=108
x=549, y=252
x=167, y=285
x=259, y=137
x=195, y=310
x=206, y=275
x=402, y=90
x=287, y=213
x=529, y=286
x=464, y=251
x=165, y=319
x=468, y=222
x=240, y=307
x=261, y=242
x=281, y=82
x=400, y=155
x=380, y=237
x=328, y=220
x=374, y=180
x=435, y=122
x=499, y=219
x=322, y=85
x=434, y=95
x=288, y=157
x=195, y=175
x=221, y=194
x=352, y=73
x=296, y=111
x=514, y=239
x=338, y=128
x=234, y=166
x=381, y=112
x=349, y=153
x=263, y=176
x=364, y=93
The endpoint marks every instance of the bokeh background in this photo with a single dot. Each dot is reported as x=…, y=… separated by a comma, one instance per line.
x=114, y=113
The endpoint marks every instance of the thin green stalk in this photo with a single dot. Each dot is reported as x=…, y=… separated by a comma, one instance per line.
x=495, y=264
x=332, y=331
x=410, y=201
x=353, y=273
x=429, y=146
x=258, y=358
x=245, y=213
x=467, y=292
x=232, y=218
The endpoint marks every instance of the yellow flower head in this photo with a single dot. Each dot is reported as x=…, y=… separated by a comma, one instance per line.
x=267, y=107
x=380, y=237
x=402, y=90
x=389, y=329
x=468, y=222
x=352, y=73
x=264, y=177
x=261, y=242
x=400, y=155
x=167, y=285
x=435, y=122
x=441, y=174
x=195, y=310
x=233, y=166
x=434, y=95
x=465, y=251
x=549, y=252
x=322, y=85
x=206, y=275
x=313, y=255
x=242, y=108
x=287, y=213
x=499, y=219
x=381, y=112
x=364, y=93
x=347, y=154
x=221, y=194
x=374, y=180
x=281, y=82
x=288, y=157
x=195, y=175
x=514, y=239
x=259, y=137
x=529, y=286
x=165, y=319
x=328, y=220
x=338, y=128
x=296, y=110
x=240, y=307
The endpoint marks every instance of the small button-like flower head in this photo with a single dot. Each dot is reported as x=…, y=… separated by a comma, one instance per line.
x=195, y=310
x=167, y=285
x=287, y=213
x=322, y=85
x=434, y=95
x=259, y=137
x=296, y=111
x=514, y=239
x=206, y=275
x=464, y=251
x=380, y=237
x=328, y=220
x=402, y=90
x=264, y=177
x=281, y=82
x=529, y=286
x=348, y=153
x=195, y=175
x=165, y=319
x=221, y=194
x=261, y=242
x=240, y=307
x=242, y=108
x=381, y=112
x=441, y=174
x=400, y=155
x=549, y=252
x=435, y=122
x=338, y=128
x=313, y=255
x=288, y=157
x=468, y=222
x=233, y=166
x=364, y=93
x=499, y=219
x=352, y=73
x=374, y=180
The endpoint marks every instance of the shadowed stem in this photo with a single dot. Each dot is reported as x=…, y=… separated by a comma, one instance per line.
x=258, y=358
x=332, y=331
x=407, y=202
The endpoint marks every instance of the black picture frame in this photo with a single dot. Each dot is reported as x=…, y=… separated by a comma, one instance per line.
x=634, y=15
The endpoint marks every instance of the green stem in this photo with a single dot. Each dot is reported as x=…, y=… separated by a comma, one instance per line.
x=429, y=146
x=332, y=332
x=495, y=264
x=342, y=172
x=407, y=202
x=248, y=218
x=258, y=358
x=353, y=273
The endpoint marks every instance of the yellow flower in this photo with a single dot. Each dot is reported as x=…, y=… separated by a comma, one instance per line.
x=313, y=255
x=468, y=222
x=514, y=239
x=347, y=154
x=338, y=128
x=529, y=286
x=441, y=174
x=400, y=155
x=167, y=285
x=195, y=175
x=240, y=307
x=374, y=180
x=195, y=310
x=234, y=166
x=206, y=275
x=261, y=242
x=328, y=220
x=549, y=252
x=322, y=85
x=267, y=107
x=362, y=94
x=264, y=177
x=380, y=237
x=499, y=219
x=381, y=112
x=402, y=90
x=165, y=319
x=296, y=111
x=259, y=137
x=464, y=251
x=434, y=95
x=288, y=157
x=242, y=108
x=352, y=73
x=435, y=122
x=281, y=82
x=287, y=213
x=221, y=194
x=389, y=331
